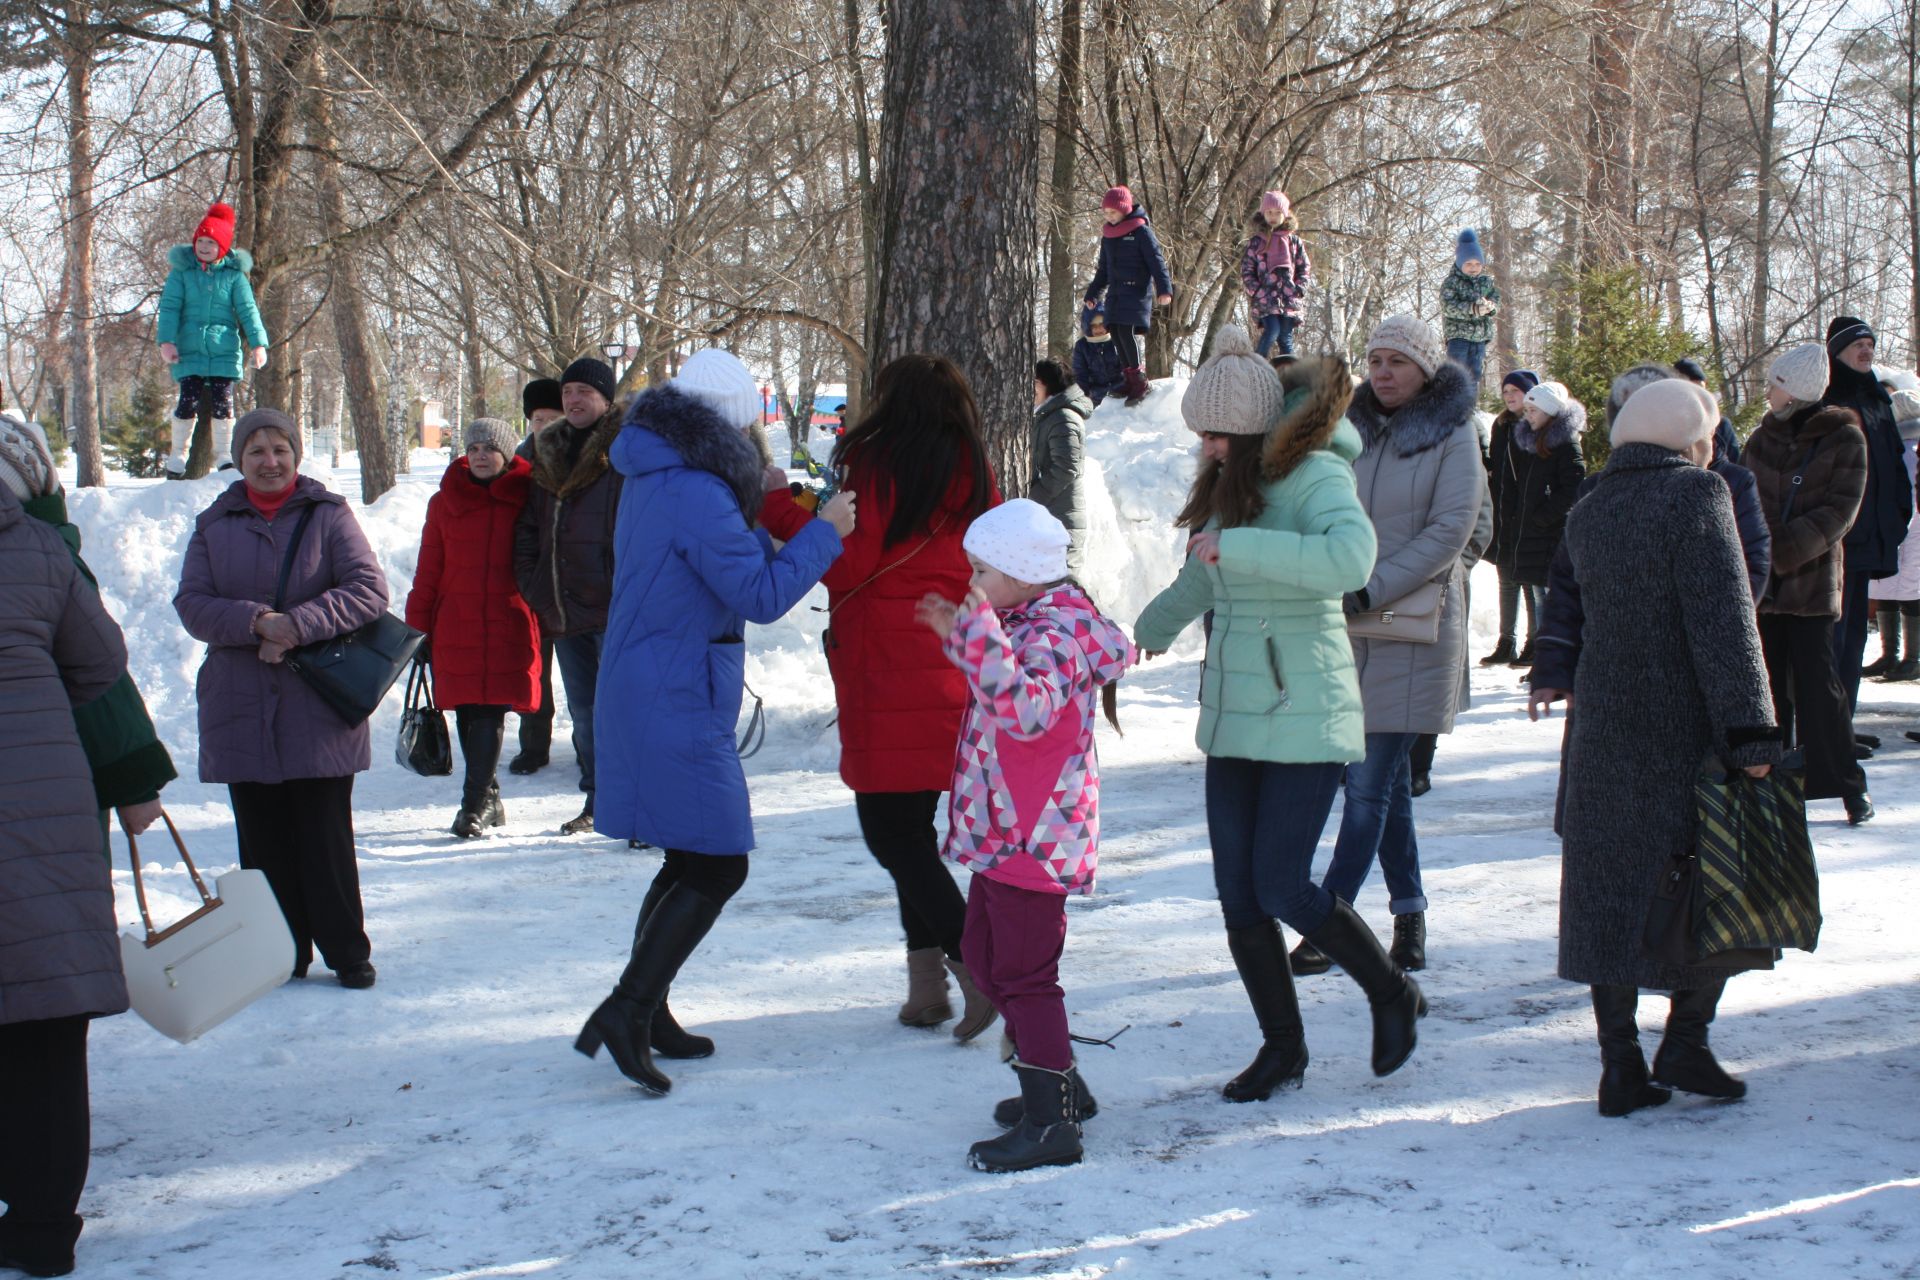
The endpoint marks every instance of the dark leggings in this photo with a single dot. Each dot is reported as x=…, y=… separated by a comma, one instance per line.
x=482, y=731
x=44, y=1128
x=218, y=393
x=1126, y=343
x=1512, y=592
x=898, y=826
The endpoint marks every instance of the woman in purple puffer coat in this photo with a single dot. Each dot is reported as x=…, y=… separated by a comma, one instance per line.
x=288, y=759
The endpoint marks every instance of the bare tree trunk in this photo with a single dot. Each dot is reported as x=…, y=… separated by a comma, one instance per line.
x=1609, y=212
x=82, y=399
x=1063, y=297
x=958, y=174
x=1911, y=56
x=869, y=232
x=1111, y=60
x=1760, y=339
x=348, y=305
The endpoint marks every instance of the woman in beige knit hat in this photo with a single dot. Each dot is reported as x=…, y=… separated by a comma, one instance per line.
x=1279, y=537
x=1423, y=485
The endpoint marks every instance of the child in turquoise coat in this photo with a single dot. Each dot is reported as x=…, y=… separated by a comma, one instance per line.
x=206, y=309
x=1279, y=537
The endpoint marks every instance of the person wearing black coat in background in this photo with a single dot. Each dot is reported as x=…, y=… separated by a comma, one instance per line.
x=1543, y=479
x=1873, y=544
x=540, y=404
x=1513, y=390
x=1726, y=441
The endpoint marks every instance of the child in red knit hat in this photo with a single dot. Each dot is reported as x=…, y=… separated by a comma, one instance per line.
x=206, y=309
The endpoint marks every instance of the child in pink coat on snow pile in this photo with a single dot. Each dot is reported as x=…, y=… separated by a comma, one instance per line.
x=1024, y=813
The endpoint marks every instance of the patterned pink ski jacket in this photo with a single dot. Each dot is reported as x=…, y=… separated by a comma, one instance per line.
x=1026, y=779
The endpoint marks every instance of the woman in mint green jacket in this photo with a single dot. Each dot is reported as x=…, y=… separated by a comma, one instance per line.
x=1279, y=538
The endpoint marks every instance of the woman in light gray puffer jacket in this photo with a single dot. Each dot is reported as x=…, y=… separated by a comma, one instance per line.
x=1424, y=485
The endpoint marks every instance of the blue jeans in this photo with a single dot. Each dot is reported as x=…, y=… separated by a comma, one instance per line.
x=579, y=661
x=1277, y=329
x=1471, y=354
x=1264, y=820
x=1378, y=819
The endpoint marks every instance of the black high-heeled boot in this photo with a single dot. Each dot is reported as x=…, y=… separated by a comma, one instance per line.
x=624, y=1020
x=1396, y=1000
x=670, y=1039
x=1260, y=955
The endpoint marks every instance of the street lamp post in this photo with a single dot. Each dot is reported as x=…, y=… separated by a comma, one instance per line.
x=613, y=351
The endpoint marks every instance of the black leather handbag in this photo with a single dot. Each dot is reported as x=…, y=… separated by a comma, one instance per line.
x=424, y=746
x=353, y=672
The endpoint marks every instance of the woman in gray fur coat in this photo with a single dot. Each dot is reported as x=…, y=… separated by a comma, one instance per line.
x=1670, y=672
x=1424, y=485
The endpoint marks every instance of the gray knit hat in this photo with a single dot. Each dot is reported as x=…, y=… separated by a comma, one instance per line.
x=493, y=432
x=257, y=419
x=26, y=463
x=1236, y=392
x=1800, y=372
x=1413, y=338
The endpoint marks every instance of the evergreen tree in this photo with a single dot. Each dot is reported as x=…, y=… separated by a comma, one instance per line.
x=1619, y=328
x=138, y=438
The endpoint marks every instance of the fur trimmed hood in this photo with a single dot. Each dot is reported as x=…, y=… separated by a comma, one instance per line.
x=1564, y=429
x=1443, y=406
x=181, y=256
x=552, y=471
x=1318, y=393
x=699, y=439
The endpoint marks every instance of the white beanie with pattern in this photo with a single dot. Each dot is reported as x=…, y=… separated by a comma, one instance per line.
x=1801, y=372
x=719, y=378
x=1021, y=539
x=26, y=464
x=1236, y=392
x=1413, y=338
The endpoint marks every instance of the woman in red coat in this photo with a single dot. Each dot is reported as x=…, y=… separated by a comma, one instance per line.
x=483, y=637
x=919, y=465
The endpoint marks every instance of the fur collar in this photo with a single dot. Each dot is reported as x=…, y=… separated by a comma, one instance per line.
x=1443, y=406
x=1310, y=423
x=552, y=469
x=703, y=440
x=1565, y=429
x=182, y=257
x=1812, y=422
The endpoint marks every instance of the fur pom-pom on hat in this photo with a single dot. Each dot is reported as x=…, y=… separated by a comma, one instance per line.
x=1236, y=392
x=1467, y=248
x=217, y=226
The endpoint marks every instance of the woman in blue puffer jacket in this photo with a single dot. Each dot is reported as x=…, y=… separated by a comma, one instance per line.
x=689, y=572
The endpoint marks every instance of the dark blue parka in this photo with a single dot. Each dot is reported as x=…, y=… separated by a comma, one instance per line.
x=1132, y=271
x=1096, y=365
x=1873, y=544
x=689, y=572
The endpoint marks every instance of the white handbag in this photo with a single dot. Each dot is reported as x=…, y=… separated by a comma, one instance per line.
x=193, y=975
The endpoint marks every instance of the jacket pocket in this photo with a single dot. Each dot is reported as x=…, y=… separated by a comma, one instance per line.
x=726, y=678
x=1271, y=646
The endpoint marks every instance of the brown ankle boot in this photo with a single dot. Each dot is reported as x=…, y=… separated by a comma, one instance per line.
x=978, y=1013
x=926, y=1004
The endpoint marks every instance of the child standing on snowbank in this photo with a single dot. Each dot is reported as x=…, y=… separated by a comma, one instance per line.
x=1275, y=270
x=1024, y=814
x=1469, y=300
x=206, y=308
x=1130, y=261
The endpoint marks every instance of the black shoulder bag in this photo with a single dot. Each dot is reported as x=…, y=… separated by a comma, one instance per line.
x=350, y=672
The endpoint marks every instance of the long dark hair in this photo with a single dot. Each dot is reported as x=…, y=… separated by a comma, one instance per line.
x=920, y=431
x=1229, y=489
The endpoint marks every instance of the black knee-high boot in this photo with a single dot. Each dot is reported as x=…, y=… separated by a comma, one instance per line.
x=1395, y=999
x=624, y=1020
x=1260, y=955
x=670, y=1039
x=1623, y=1068
x=1684, y=1061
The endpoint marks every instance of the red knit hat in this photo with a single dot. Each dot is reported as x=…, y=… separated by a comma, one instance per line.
x=217, y=226
x=1118, y=198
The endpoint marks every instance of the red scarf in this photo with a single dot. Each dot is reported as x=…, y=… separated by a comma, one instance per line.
x=1132, y=222
x=1278, y=250
x=269, y=504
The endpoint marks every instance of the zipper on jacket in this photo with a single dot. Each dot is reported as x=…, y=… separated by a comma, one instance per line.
x=1285, y=699
x=559, y=600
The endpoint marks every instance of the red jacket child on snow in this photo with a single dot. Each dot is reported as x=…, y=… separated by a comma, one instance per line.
x=485, y=641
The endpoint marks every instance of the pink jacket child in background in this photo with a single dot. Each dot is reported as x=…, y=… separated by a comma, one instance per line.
x=1024, y=814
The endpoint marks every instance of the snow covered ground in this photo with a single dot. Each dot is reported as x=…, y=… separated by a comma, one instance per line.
x=441, y=1126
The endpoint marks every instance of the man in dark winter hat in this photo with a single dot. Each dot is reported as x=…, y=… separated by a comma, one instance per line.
x=540, y=405
x=563, y=546
x=1873, y=543
x=1726, y=444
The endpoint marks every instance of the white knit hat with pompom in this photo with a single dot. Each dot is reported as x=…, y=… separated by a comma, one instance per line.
x=1236, y=392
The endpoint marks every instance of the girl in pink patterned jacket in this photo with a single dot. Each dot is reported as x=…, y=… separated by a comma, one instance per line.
x=1024, y=813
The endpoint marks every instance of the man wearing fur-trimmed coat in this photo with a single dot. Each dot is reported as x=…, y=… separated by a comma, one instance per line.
x=563, y=546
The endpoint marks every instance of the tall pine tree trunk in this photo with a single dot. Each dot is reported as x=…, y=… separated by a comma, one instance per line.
x=84, y=419
x=1063, y=297
x=957, y=249
x=1608, y=216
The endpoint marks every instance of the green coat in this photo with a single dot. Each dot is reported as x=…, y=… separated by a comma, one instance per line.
x=129, y=762
x=206, y=311
x=1457, y=295
x=1279, y=680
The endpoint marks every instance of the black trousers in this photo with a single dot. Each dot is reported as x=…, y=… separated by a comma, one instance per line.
x=45, y=1131
x=714, y=877
x=1810, y=703
x=1126, y=342
x=300, y=832
x=536, y=729
x=482, y=731
x=1420, y=759
x=898, y=826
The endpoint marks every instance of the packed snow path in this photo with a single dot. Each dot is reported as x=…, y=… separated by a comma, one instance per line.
x=441, y=1125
